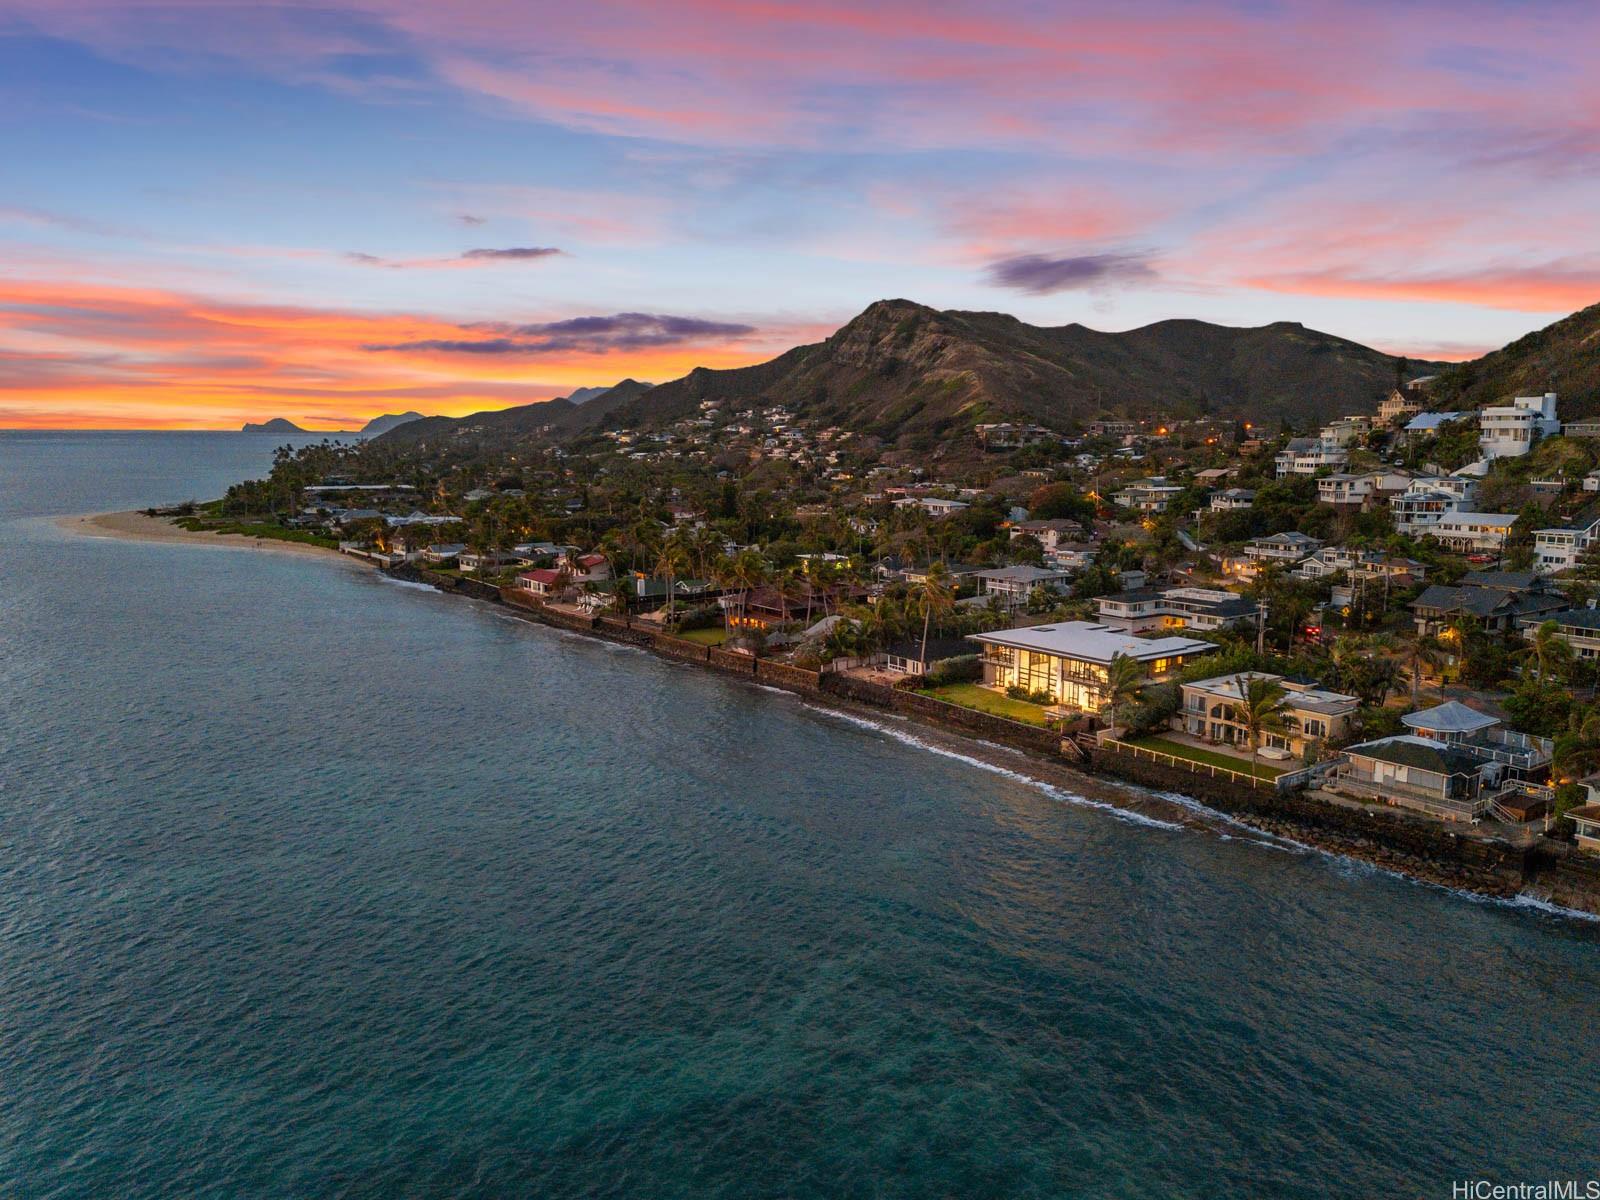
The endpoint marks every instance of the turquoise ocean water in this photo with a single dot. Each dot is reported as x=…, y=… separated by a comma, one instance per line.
x=314, y=884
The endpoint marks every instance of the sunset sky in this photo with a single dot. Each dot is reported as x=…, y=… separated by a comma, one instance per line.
x=214, y=212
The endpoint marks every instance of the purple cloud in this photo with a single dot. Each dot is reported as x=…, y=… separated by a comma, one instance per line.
x=467, y=258
x=592, y=335
x=1041, y=274
x=512, y=253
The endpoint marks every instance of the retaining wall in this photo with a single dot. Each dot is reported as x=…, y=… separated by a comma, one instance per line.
x=1368, y=832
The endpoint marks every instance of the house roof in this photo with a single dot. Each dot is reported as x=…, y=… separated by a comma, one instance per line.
x=939, y=648
x=1088, y=642
x=1405, y=750
x=1450, y=717
x=1511, y=581
x=1021, y=574
x=541, y=575
x=1575, y=618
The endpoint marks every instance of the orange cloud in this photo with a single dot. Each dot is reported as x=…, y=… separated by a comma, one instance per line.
x=98, y=356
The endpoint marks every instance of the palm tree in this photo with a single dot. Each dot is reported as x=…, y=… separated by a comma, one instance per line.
x=1257, y=709
x=1124, y=677
x=1548, y=649
x=935, y=596
x=748, y=572
x=1418, y=653
x=671, y=561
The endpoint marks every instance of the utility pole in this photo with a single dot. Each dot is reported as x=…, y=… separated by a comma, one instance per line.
x=1261, y=627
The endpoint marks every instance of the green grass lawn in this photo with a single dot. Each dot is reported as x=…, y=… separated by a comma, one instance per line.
x=251, y=529
x=714, y=636
x=972, y=695
x=1179, y=750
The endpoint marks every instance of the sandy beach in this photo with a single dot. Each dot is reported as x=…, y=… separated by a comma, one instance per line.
x=141, y=527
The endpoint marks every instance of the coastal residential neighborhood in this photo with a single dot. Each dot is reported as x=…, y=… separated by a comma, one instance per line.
x=1396, y=610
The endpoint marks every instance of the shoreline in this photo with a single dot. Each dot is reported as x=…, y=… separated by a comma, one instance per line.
x=137, y=526
x=1091, y=786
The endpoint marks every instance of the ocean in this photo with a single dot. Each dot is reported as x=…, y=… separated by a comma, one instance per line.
x=313, y=884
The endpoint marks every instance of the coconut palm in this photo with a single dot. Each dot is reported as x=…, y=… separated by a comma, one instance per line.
x=1124, y=677
x=671, y=561
x=1548, y=650
x=1257, y=710
x=747, y=572
x=935, y=596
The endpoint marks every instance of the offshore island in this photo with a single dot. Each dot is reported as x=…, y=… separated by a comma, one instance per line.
x=1336, y=596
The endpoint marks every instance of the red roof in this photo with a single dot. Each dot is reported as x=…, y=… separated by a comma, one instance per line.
x=591, y=560
x=542, y=575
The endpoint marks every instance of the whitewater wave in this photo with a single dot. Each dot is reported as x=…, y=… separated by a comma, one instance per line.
x=1049, y=789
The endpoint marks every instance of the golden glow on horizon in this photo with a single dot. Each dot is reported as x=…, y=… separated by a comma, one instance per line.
x=101, y=357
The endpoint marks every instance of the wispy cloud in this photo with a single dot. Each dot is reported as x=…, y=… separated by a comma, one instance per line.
x=467, y=258
x=587, y=335
x=1042, y=274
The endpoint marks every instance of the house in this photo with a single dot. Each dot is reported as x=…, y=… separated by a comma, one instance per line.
x=1402, y=402
x=767, y=607
x=1586, y=823
x=1561, y=549
x=1200, y=609
x=1284, y=548
x=932, y=505
x=1113, y=429
x=1416, y=773
x=1426, y=424
x=1346, y=431
x=1473, y=532
x=1330, y=560
x=490, y=560
x=1507, y=431
x=443, y=551
x=1148, y=495
x=1344, y=490
x=1497, y=600
x=1577, y=627
x=1231, y=499
x=651, y=592
x=1307, y=456
x=1069, y=661
x=1015, y=584
x=542, y=581
x=1050, y=534
x=1591, y=482
x=1072, y=558
x=1212, y=475
x=585, y=568
x=1006, y=436
x=1309, y=714
x=1428, y=499
x=907, y=657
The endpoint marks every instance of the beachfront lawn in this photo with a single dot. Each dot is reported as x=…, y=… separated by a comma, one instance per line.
x=252, y=529
x=713, y=636
x=1179, y=750
x=972, y=695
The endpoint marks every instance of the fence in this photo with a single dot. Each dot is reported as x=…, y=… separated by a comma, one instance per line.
x=1194, y=765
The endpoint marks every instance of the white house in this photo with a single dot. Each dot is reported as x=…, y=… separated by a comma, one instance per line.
x=1015, y=584
x=1070, y=660
x=1203, y=609
x=1231, y=499
x=1429, y=499
x=1148, y=495
x=1560, y=549
x=1506, y=431
x=1346, y=431
x=1307, y=456
x=1483, y=533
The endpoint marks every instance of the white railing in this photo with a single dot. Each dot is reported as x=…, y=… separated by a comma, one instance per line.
x=1193, y=765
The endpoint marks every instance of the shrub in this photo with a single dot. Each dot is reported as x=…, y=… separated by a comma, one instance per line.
x=966, y=669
